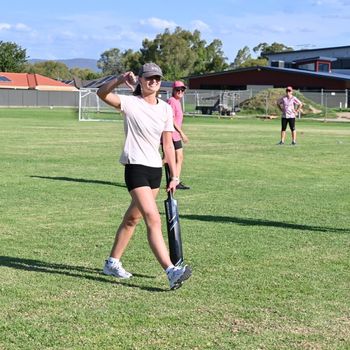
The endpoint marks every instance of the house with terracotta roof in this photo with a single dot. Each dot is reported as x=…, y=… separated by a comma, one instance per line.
x=28, y=81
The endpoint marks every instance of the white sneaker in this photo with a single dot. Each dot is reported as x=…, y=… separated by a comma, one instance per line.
x=115, y=269
x=178, y=275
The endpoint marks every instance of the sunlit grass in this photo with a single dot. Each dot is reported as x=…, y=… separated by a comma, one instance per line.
x=265, y=228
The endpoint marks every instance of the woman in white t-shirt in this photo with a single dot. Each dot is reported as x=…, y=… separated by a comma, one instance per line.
x=147, y=120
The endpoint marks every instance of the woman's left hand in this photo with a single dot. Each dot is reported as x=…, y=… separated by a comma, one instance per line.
x=172, y=186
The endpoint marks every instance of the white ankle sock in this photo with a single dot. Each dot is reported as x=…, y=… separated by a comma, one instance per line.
x=171, y=267
x=112, y=260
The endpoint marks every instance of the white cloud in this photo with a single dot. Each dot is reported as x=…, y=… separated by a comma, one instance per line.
x=200, y=25
x=335, y=3
x=158, y=23
x=22, y=27
x=5, y=26
x=88, y=31
x=67, y=34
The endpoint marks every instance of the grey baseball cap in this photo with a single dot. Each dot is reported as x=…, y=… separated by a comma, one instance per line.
x=149, y=70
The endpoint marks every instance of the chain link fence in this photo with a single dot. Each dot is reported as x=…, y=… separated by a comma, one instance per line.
x=259, y=102
x=195, y=102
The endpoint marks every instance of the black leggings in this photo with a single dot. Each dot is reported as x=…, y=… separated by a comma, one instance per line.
x=290, y=121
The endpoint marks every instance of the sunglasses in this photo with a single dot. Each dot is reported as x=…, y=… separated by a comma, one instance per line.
x=289, y=90
x=180, y=89
x=154, y=77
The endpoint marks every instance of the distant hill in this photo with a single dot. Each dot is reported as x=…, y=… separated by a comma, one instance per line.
x=82, y=63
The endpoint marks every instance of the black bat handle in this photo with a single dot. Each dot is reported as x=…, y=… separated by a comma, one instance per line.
x=167, y=176
x=167, y=173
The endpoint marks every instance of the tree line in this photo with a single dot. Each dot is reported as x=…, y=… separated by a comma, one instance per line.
x=180, y=53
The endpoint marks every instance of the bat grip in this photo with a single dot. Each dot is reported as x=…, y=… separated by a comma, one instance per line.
x=167, y=173
x=167, y=176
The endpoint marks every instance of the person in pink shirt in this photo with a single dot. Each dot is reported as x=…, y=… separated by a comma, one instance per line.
x=290, y=106
x=174, y=101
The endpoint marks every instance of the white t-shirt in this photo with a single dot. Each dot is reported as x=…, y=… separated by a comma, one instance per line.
x=143, y=126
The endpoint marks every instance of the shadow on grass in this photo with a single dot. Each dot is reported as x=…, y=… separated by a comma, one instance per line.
x=259, y=222
x=71, y=271
x=72, y=179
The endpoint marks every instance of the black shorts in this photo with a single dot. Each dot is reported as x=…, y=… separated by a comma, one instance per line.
x=177, y=144
x=137, y=175
x=286, y=121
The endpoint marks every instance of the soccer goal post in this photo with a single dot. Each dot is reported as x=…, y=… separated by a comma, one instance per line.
x=92, y=108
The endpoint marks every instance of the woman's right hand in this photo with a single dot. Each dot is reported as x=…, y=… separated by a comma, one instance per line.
x=130, y=80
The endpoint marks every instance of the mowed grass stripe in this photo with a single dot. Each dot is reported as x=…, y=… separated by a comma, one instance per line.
x=265, y=228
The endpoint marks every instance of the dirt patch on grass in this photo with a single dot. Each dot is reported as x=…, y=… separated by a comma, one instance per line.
x=343, y=115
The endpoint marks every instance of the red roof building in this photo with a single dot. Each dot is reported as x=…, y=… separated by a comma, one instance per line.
x=241, y=79
x=28, y=81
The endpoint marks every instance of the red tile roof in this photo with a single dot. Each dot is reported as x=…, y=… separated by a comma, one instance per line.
x=32, y=81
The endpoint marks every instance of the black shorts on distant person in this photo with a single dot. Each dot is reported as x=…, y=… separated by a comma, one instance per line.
x=137, y=175
x=177, y=144
x=286, y=121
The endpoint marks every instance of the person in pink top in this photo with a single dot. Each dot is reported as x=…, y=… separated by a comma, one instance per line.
x=174, y=101
x=290, y=106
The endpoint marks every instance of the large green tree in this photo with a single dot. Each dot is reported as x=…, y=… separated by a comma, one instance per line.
x=245, y=59
x=171, y=51
x=12, y=57
x=215, y=59
x=265, y=48
x=253, y=62
x=180, y=53
x=131, y=60
x=111, y=62
x=52, y=69
x=59, y=71
x=183, y=53
x=84, y=74
x=242, y=56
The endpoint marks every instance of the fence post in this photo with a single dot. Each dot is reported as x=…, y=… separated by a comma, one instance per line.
x=266, y=103
x=79, y=110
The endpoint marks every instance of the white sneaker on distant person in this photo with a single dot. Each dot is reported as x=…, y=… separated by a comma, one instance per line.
x=178, y=275
x=115, y=268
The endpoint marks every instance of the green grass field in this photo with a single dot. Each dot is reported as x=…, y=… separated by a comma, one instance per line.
x=265, y=228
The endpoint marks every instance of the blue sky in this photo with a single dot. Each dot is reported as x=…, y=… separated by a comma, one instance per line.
x=85, y=28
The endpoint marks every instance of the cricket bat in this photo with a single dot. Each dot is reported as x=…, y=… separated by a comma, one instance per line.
x=173, y=225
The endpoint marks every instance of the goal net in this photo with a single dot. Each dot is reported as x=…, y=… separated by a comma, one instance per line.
x=92, y=108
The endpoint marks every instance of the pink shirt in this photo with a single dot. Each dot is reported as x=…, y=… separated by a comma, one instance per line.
x=288, y=106
x=178, y=115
